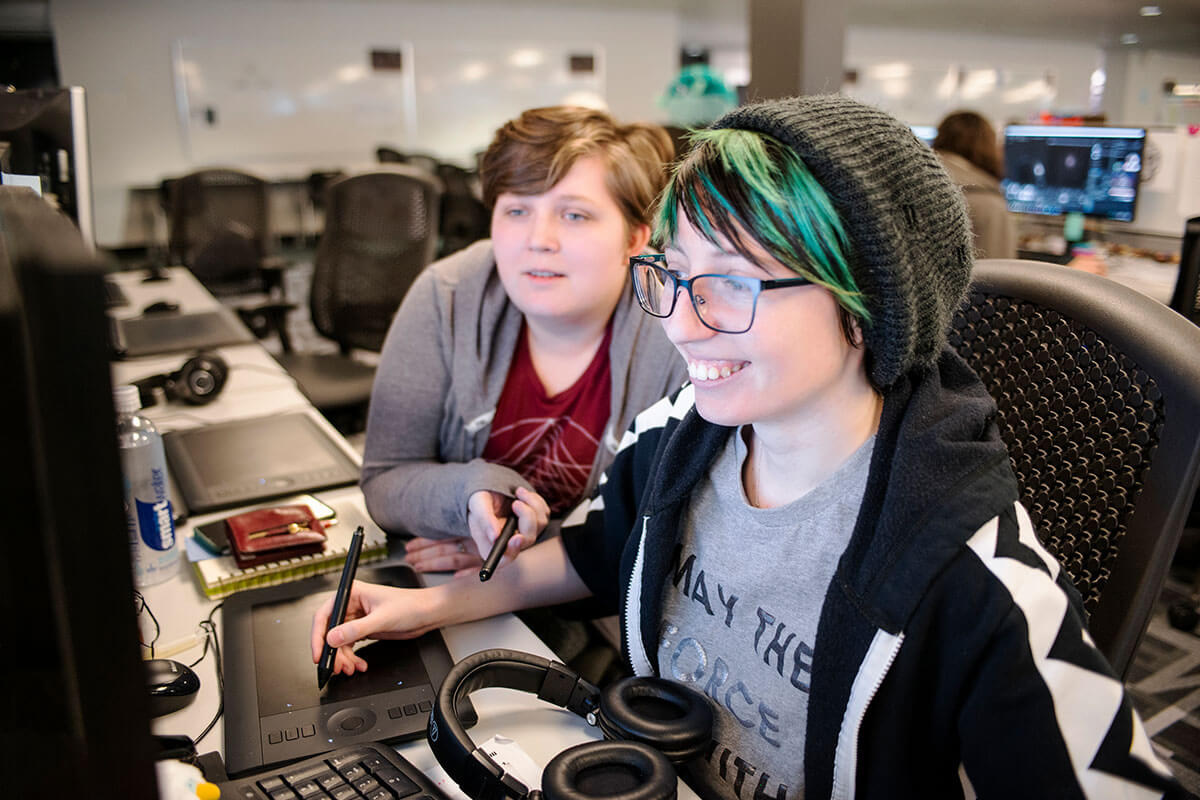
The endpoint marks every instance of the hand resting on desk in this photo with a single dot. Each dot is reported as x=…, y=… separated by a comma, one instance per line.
x=485, y=517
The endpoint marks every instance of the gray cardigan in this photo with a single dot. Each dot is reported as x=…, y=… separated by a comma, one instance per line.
x=441, y=371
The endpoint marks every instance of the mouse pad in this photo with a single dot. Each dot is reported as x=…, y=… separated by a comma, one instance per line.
x=274, y=711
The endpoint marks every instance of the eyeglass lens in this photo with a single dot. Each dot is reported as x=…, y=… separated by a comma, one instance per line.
x=723, y=302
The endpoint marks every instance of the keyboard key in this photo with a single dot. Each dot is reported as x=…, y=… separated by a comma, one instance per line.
x=396, y=780
x=347, y=757
x=381, y=794
x=308, y=730
x=274, y=737
x=354, y=773
x=271, y=784
x=284, y=794
x=328, y=779
x=425, y=705
x=303, y=773
x=344, y=792
x=395, y=713
x=410, y=709
x=374, y=763
x=291, y=734
x=308, y=789
x=366, y=785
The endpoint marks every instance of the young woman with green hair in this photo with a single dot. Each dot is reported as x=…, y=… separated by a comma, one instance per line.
x=821, y=532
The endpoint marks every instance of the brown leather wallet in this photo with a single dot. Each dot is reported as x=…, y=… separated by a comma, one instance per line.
x=274, y=534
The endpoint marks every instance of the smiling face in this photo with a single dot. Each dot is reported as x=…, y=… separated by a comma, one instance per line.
x=793, y=369
x=563, y=255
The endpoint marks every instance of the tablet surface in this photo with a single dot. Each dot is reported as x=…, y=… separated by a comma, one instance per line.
x=237, y=463
x=274, y=711
x=156, y=334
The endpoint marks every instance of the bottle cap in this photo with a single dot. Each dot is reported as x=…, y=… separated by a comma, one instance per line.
x=126, y=399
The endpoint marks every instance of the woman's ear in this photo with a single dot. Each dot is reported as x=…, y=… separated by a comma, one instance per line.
x=639, y=238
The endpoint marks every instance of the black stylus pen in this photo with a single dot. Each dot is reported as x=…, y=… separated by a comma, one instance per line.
x=340, y=601
x=498, y=548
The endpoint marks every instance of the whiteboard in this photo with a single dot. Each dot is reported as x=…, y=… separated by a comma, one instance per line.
x=283, y=101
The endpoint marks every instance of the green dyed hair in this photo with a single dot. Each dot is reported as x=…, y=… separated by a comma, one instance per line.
x=736, y=184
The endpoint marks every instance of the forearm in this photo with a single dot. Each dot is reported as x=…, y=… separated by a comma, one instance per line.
x=429, y=498
x=542, y=576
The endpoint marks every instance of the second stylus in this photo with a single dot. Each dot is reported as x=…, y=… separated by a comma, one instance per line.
x=498, y=547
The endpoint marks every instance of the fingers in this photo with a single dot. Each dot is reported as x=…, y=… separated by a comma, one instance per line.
x=320, y=623
x=533, y=514
x=444, y=555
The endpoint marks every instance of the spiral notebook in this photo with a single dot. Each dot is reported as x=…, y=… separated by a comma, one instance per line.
x=220, y=576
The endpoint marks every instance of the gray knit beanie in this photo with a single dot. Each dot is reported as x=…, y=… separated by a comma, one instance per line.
x=908, y=226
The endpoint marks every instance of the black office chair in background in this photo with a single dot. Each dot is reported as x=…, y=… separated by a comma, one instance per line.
x=1186, y=298
x=464, y=218
x=380, y=232
x=1098, y=388
x=218, y=227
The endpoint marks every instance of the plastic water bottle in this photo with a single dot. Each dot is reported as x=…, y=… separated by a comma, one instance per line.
x=148, y=514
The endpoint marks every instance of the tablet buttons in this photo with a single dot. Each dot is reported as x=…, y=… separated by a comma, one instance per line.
x=351, y=722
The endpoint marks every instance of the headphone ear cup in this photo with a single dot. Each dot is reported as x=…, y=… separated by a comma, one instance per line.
x=199, y=380
x=673, y=718
x=621, y=770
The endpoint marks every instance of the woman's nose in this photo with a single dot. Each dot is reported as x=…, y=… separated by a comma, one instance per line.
x=543, y=233
x=684, y=325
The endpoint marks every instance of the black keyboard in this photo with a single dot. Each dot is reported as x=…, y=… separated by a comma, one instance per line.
x=352, y=772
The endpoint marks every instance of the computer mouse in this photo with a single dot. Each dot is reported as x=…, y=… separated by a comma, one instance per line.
x=161, y=307
x=172, y=685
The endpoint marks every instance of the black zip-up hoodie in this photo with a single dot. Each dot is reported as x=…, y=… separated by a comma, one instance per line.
x=951, y=659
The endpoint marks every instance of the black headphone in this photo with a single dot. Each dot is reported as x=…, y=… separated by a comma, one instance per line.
x=198, y=381
x=652, y=724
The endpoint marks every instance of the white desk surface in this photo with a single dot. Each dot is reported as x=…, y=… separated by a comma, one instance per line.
x=257, y=385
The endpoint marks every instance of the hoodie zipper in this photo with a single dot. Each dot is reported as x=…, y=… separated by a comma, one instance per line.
x=633, y=607
x=877, y=662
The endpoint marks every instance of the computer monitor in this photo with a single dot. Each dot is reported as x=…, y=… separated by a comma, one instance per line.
x=926, y=133
x=76, y=719
x=1053, y=169
x=43, y=142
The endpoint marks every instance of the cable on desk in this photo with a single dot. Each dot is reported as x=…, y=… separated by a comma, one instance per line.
x=142, y=605
x=210, y=630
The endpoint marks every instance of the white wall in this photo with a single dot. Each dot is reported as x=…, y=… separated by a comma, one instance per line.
x=121, y=52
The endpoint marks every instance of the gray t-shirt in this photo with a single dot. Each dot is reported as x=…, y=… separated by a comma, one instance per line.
x=740, y=612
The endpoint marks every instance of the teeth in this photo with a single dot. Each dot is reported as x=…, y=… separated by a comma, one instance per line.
x=710, y=372
x=542, y=274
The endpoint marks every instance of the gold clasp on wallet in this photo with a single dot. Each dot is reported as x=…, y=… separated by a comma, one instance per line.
x=293, y=527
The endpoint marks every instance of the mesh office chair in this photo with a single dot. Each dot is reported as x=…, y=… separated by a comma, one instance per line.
x=464, y=217
x=1098, y=389
x=380, y=232
x=218, y=227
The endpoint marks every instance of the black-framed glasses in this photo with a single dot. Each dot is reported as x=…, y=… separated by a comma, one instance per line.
x=724, y=303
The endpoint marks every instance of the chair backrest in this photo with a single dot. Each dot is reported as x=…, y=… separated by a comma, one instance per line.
x=1098, y=388
x=380, y=232
x=218, y=226
x=464, y=217
x=1186, y=298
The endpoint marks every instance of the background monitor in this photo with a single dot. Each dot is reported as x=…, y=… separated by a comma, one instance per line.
x=76, y=717
x=1053, y=169
x=926, y=133
x=43, y=136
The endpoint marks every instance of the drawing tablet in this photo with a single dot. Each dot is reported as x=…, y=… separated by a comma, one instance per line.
x=156, y=334
x=242, y=462
x=274, y=711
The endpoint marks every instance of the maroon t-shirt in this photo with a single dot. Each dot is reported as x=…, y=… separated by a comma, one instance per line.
x=551, y=441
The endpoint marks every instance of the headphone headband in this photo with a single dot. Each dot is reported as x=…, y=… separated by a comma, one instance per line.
x=467, y=765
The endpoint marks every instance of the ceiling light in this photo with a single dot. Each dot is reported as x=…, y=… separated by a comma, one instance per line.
x=1129, y=38
x=1150, y=11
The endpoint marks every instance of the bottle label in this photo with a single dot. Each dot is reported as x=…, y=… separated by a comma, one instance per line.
x=156, y=524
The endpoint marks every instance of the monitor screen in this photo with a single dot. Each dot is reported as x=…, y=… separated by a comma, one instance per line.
x=1053, y=169
x=43, y=145
x=76, y=721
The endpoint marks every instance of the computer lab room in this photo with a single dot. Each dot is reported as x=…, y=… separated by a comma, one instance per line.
x=571, y=399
